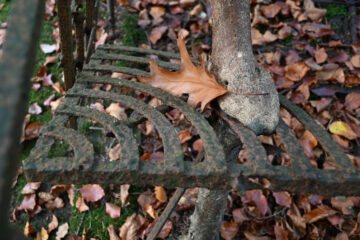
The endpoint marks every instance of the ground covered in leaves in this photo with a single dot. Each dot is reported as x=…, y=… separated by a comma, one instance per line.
x=308, y=50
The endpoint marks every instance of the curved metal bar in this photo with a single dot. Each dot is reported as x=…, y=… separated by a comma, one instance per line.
x=214, y=153
x=127, y=70
x=129, y=156
x=334, y=150
x=172, y=147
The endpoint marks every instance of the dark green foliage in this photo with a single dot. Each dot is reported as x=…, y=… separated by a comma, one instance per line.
x=133, y=35
x=333, y=9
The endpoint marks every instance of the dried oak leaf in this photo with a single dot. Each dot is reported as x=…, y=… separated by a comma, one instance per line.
x=160, y=194
x=92, y=192
x=196, y=81
x=113, y=210
x=257, y=197
x=282, y=198
x=124, y=194
x=30, y=187
x=28, y=203
x=129, y=230
x=319, y=213
x=229, y=230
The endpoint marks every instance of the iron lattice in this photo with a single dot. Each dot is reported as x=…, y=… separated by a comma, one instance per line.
x=215, y=172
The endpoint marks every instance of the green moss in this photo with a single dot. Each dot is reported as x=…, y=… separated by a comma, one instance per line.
x=43, y=118
x=4, y=13
x=59, y=149
x=133, y=35
x=84, y=126
x=287, y=41
x=333, y=9
x=41, y=95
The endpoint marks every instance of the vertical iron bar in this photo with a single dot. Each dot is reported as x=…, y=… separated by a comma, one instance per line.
x=16, y=68
x=79, y=36
x=89, y=19
x=90, y=46
x=111, y=9
x=66, y=41
x=353, y=25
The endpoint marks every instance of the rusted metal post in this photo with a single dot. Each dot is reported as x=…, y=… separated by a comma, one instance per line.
x=16, y=68
x=79, y=36
x=111, y=9
x=89, y=4
x=66, y=41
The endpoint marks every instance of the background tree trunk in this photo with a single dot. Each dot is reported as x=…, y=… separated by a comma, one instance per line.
x=235, y=67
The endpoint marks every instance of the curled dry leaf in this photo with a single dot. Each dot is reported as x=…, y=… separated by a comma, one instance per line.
x=282, y=198
x=81, y=205
x=115, y=152
x=319, y=213
x=160, y=194
x=28, y=230
x=344, y=205
x=28, y=203
x=352, y=100
x=257, y=197
x=59, y=188
x=62, y=231
x=229, y=230
x=184, y=136
x=116, y=111
x=129, y=230
x=342, y=129
x=157, y=33
x=55, y=204
x=35, y=109
x=296, y=71
x=196, y=81
x=42, y=235
x=145, y=200
x=92, y=192
x=157, y=12
x=30, y=187
x=112, y=233
x=113, y=210
x=53, y=224
x=240, y=216
x=124, y=194
x=315, y=14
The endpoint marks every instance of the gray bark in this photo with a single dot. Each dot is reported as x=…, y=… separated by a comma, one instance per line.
x=235, y=67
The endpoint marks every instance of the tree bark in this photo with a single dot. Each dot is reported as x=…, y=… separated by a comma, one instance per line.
x=235, y=67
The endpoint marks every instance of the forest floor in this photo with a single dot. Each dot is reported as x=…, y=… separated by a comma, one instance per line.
x=314, y=62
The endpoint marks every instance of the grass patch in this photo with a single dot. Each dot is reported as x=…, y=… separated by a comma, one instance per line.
x=99, y=219
x=59, y=149
x=287, y=41
x=4, y=13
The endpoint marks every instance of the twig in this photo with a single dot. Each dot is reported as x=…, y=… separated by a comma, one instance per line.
x=248, y=94
x=166, y=213
x=281, y=212
x=80, y=224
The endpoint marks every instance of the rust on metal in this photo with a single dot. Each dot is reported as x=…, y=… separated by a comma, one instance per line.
x=215, y=172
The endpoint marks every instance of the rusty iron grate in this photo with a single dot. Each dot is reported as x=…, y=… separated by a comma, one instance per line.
x=87, y=164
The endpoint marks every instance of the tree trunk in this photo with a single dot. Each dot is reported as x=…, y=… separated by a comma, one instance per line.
x=235, y=67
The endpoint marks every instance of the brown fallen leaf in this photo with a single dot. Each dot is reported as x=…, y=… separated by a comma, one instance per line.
x=296, y=71
x=319, y=213
x=71, y=194
x=280, y=232
x=28, y=230
x=92, y=192
x=355, y=60
x=55, y=204
x=184, y=136
x=42, y=235
x=352, y=100
x=59, y=188
x=282, y=198
x=315, y=14
x=32, y=130
x=251, y=236
x=62, y=231
x=308, y=142
x=124, y=194
x=257, y=197
x=81, y=205
x=146, y=201
x=271, y=10
x=30, y=187
x=198, y=145
x=28, y=203
x=157, y=11
x=157, y=33
x=53, y=224
x=129, y=230
x=160, y=194
x=112, y=233
x=344, y=205
x=116, y=111
x=115, y=152
x=320, y=55
x=229, y=230
x=35, y=109
x=113, y=210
